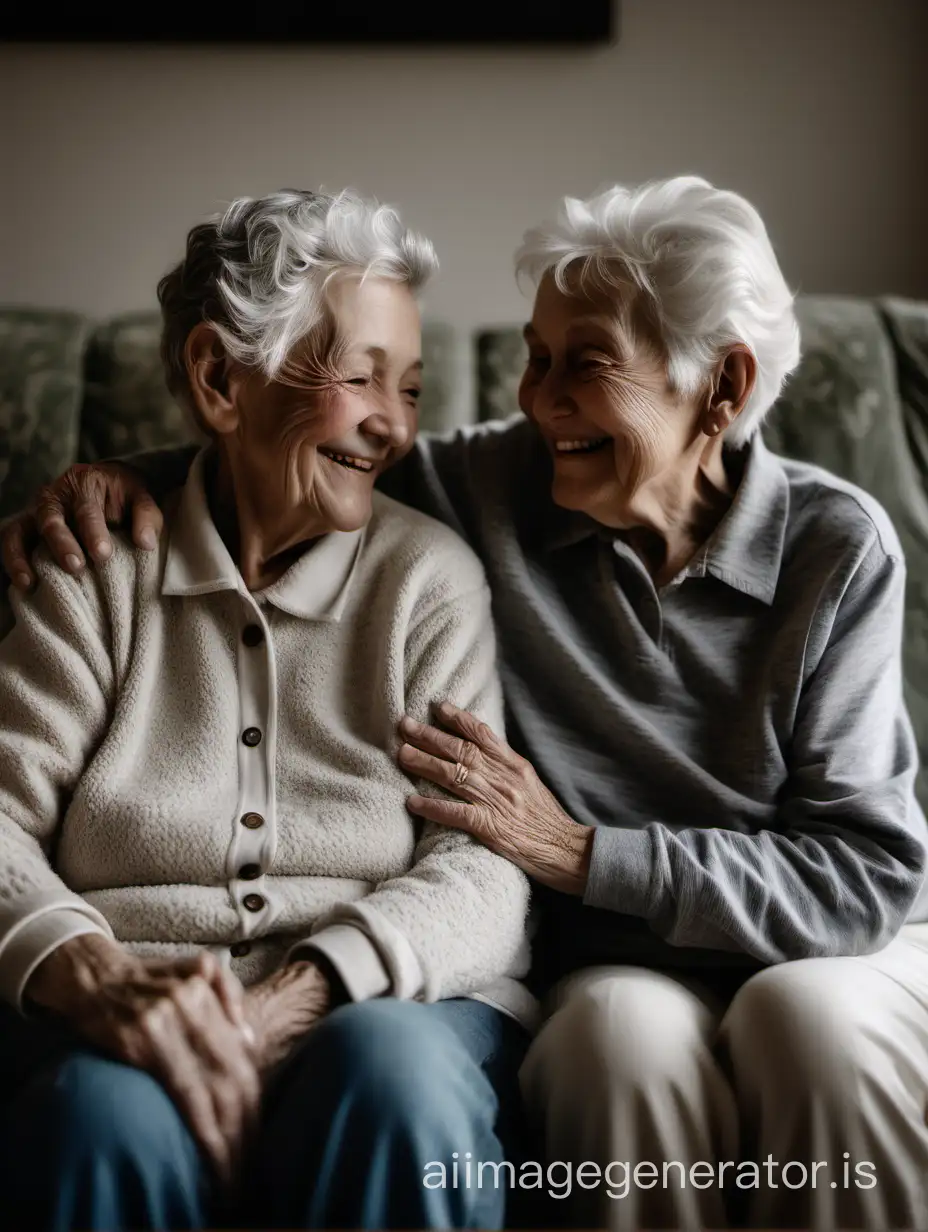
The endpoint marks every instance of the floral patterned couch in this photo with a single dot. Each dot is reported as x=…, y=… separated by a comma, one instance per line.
x=858, y=405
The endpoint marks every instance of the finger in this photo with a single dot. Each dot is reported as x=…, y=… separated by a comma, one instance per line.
x=176, y=1065
x=228, y=989
x=463, y=723
x=221, y=1045
x=51, y=524
x=431, y=739
x=447, y=813
x=90, y=521
x=207, y=966
x=17, y=540
x=435, y=770
x=147, y=520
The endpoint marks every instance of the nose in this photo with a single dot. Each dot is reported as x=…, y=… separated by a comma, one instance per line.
x=550, y=402
x=392, y=427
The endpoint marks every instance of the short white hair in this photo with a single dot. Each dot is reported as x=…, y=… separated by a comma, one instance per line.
x=258, y=272
x=703, y=269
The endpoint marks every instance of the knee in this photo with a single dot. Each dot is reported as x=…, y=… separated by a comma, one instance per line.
x=617, y=1036
x=792, y=1028
x=100, y=1109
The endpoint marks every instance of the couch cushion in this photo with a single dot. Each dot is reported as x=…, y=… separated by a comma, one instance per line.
x=127, y=406
x=41, y=356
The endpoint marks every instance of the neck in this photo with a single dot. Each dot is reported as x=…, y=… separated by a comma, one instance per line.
x=675, y=512
x=263, y=537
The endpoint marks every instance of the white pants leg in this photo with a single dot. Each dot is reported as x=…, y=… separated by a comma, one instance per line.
x=818, y=1062
x=623, y=1071
x=829, y=1059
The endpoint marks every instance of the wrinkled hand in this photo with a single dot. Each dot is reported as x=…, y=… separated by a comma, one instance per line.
x=183, y=1022
x=501, y=800
x=281, y=1009
x=87, y=498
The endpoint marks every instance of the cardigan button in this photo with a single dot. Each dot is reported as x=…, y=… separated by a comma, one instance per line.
x=240, y=949
x=253, y=902
x=252, y=635
x=249, y=872
x=251, y=736
x=253, y=821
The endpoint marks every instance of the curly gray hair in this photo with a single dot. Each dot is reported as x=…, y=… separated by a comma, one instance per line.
x=258, y=273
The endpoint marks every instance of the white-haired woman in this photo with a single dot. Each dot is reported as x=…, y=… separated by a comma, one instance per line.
x=710, y=769
x=199, y=791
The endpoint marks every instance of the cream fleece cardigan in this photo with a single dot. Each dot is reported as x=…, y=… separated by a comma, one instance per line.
x=185, y=764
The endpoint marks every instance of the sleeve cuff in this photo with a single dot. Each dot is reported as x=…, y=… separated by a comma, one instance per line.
x=32, y=943
x=621, y=871
x=355, y=958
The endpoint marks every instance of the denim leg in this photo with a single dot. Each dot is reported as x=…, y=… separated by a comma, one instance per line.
x=378, y=1092
x=89, y=1143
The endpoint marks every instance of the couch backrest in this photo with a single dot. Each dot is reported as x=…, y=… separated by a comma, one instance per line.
x=41, y=387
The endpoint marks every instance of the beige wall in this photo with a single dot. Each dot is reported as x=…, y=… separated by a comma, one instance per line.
x=815, y=109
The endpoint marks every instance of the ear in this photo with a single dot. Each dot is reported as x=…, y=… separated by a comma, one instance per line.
x=731, y=387
x=211, y=387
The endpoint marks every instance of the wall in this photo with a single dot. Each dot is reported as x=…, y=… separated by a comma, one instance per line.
x=813, y=108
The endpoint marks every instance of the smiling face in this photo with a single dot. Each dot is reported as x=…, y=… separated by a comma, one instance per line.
x=598, y=392
x=310, y=445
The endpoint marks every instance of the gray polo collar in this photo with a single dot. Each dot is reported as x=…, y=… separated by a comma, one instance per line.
x=745, y=550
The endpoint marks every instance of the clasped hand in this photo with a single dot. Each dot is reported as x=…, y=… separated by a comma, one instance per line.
x=190, y=1024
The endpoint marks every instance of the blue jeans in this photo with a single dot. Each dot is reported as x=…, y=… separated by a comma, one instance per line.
x=374, y=1094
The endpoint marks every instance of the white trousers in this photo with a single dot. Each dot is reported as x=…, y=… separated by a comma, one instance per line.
x=822, y=1061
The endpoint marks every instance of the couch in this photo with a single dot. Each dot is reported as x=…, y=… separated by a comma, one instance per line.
x=858, y=405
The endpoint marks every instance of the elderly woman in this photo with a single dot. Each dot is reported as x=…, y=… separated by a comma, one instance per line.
x=199, y=790
x=711, y=765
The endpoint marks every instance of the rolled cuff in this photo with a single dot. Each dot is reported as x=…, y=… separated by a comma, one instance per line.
x=353, y=955
x=33, y=941
x=621, y=873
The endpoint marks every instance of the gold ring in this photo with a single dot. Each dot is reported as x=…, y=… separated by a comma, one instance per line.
x=460, y=774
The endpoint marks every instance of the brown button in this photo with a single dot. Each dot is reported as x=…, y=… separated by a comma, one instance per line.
x=240, y=949
x=248, y=872
x=253, y=821
x=252, y=635
x=253, y=902
x=251, y=736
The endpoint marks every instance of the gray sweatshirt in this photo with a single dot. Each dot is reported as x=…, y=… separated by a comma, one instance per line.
x=738, y=738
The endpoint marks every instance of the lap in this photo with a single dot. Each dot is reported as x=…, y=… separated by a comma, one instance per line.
x=402, y=1040
x=406, y=1050
x=41, y=1053
x=852, y=1001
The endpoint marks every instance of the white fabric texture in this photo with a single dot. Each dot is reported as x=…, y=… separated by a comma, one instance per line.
x=131, y=804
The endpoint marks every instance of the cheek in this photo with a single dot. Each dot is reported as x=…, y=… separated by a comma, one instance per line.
x=329, y=417
x=625, y=409
x=526, y=394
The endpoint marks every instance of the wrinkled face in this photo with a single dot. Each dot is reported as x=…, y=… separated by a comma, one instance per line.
x=317, y=438
x=598, y=393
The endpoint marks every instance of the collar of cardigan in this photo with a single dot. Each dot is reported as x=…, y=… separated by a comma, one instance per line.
x=198, y=563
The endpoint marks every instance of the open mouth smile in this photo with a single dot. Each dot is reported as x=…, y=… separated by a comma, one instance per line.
x=587, y=446
x=348, y=460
